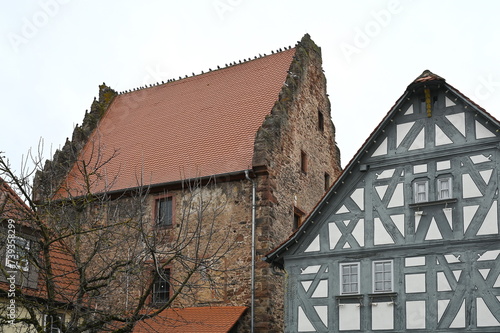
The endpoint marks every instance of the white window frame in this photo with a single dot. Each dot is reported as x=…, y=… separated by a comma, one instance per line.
x=440, y=190
x=17, y=255
x=350, y=283
x=376, y=280
x=51, y=329
x=416, y=192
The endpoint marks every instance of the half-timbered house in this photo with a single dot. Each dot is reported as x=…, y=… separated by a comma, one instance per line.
x=407, y=239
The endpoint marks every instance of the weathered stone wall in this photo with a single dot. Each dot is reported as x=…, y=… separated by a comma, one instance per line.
x=289, y=132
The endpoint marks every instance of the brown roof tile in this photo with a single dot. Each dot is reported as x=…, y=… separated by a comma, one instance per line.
x=193, y=320
x=199, y=126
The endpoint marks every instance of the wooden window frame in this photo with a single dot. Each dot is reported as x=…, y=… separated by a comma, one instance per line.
x=156, y=279
x=384, y=279
x=157, y=203
x=416, y=191
x=444, y=180
x=349, y=283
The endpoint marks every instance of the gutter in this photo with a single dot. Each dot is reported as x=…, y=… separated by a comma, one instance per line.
x=252, y=279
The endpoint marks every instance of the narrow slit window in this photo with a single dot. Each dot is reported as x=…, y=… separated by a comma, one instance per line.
x=303, y=161
x=321, y=121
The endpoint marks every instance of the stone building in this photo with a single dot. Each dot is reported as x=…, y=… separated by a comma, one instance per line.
x=255, y=136
x=407, y=239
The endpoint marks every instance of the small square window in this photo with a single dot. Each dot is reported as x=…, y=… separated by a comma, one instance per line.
x=349, y=278
x=382, y=276
x=444, y=188
x=421, y=191
x=17, y=254
x=161, y=287
x=164, y=212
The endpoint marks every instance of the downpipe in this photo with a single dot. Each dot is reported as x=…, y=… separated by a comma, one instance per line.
x=252, y=279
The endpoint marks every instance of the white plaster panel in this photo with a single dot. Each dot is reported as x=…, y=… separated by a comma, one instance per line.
x=421, y=168
x=349, y=317
x=415, y=283
x=314, y=246
x=490, y=223
x=321, y=290
x=448, y=102
x=458, y=120
x=484, y=315
x=398, y=198
x=484, y=272
x=443, y=165
x=448, y=213
x=322, y=311
x=486, y=175
x=359, y=232
x=358, y=196
x=383, y=316
x=311, y=269
x=381, y=149
x=489, y=255
x=401, y=131
x=306, y=284
x=433, y=232
x=419, y=141
x=381, y=235
x=334, y=234
x=457, y=274
x=476, y=159
x=459, y=321
x=415, y=314
x=409, y=110
x=342, y=210
x=385, y=174
x=442, y=305
x=304, y=325
x=450, y=258
x=470, y=189
x=497, y=282
x=399, y=221
x=442, y=282
x=418, y=216
x=381, y=190
x=414, y=261
x=441, y=138
x=469, y=212
x=482, y=132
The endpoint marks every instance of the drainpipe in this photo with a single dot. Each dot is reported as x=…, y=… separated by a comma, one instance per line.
x=252, y=279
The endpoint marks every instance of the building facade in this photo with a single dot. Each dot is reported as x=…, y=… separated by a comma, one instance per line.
x=253, y=143
x=407, y=239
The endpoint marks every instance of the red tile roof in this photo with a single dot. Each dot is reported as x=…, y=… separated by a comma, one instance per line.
x=199, y=126
x=193, y=320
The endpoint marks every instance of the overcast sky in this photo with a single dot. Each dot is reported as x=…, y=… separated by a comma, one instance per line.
x=55, y=53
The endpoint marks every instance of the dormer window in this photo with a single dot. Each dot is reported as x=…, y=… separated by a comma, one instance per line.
x=444, y=188
x=421, y=191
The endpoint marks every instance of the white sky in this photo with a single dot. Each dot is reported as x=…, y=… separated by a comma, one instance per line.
x=55, y=53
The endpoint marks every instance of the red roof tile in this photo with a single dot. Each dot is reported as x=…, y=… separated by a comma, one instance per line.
x=198, y=126
x=193, y=320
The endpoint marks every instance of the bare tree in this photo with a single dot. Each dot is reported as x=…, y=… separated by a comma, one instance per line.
x=97, y=261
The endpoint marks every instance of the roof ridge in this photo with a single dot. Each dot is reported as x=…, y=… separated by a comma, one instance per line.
x=210, y=70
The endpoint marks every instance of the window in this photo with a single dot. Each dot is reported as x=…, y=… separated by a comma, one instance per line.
x=164, y=211
x=17, y=254
x=297, y=217
x=382, y=276
x=349, y=278
x=303, y=161
x=421, y=191
x=444, y=188
x=52, y=324
x=327, y=181
x=161, y=287
x=321, y=121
